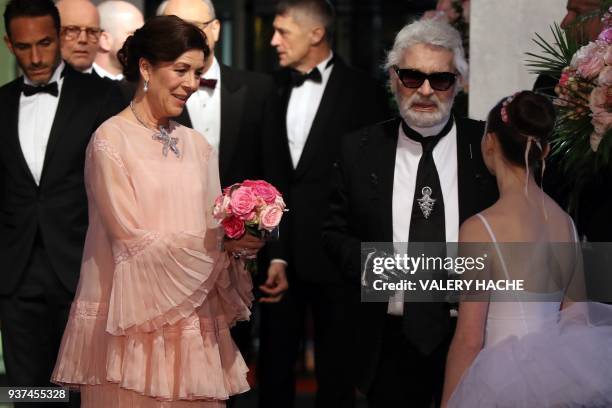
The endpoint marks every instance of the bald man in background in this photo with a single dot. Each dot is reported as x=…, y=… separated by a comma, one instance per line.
x=118, y=20
x=80, y=33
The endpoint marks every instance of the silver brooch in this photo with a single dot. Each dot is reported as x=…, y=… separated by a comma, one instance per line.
x=169, y=142
x=426, y=203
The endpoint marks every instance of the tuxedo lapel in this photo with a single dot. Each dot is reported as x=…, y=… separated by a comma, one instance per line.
x=233, y=96
x=68, y=102
x=12, y=115
x=324, y=116
x=381, y=178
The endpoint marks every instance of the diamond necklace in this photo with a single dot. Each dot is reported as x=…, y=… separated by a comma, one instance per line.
x=170, y=143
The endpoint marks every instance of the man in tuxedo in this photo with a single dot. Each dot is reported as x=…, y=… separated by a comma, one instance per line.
x=118, y=20
x=237, y=112
x=80, y=33
x=384, y=170
x=322, y=99
x=47, y=117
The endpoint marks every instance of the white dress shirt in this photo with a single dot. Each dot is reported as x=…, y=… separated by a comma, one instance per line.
x=36, y=115
x=407, y=158
x=204, y=108
x=102, y=73
x=302, y=108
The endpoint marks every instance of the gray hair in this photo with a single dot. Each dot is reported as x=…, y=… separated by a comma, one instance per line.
x=431, y=32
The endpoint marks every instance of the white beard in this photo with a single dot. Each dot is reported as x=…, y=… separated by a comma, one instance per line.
x=423, y=119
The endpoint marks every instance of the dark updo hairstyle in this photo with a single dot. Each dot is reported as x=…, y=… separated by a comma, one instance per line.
x=528, y=114
x=161, y=39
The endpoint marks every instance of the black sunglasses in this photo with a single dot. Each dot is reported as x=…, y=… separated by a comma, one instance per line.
x=411, y=78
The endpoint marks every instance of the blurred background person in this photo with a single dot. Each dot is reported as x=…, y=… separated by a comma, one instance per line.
x=48, y=116
x=118, y=20
x=80, y=33
x=322, y=99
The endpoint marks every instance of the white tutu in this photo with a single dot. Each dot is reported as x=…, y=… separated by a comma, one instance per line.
x=568, y=364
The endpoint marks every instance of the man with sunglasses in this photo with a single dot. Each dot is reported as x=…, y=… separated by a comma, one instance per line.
x=412, y=179
x=80, y=33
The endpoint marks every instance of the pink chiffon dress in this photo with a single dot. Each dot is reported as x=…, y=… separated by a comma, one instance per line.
x=149, y=326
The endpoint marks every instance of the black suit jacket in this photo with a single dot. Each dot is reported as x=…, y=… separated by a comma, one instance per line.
x=57, y=207
x=250, y=135
x=361, y=211
x=350, y=101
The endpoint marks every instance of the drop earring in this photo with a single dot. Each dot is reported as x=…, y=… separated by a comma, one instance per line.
x=146, y=86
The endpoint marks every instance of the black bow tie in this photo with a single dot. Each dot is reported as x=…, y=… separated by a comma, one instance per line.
x=298, y=79
x=51, y=89
x=208, y=83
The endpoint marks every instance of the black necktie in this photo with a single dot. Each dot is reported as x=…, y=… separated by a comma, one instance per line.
x=298, y=79
x=29, y=90
x=426, y=323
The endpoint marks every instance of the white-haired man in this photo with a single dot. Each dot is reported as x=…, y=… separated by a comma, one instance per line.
x=118, y=20
x=385, y=186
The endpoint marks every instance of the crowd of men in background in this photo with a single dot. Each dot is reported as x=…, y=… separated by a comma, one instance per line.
x=301, y=113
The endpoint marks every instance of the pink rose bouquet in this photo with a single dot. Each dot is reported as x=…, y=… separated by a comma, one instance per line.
x=582, y=136
x=253, y=206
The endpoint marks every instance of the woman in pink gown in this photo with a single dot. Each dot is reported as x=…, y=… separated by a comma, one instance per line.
x=149, y=326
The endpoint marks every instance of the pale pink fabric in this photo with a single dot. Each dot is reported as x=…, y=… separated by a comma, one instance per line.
x=150, y=323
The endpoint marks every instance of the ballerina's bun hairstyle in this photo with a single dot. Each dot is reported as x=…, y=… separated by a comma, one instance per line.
x=161, y=39
x=517, y=118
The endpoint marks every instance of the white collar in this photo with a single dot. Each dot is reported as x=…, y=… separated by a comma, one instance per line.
x=57, y=74
x=105, y=74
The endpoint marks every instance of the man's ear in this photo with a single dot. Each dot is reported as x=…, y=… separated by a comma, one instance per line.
x=106, y=41
x=9, y=44
x=215, y=28
x=317, y=34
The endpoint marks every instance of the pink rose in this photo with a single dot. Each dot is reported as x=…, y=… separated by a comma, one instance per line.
x=280, y=202
x=597, y=99
x=250, y=217
x=589, y=60
x=262, y=189
x=608, y=56
x=270, y=217
x=222, y=207
x=233, y=227
x=605, y=76
x=565, y=77
x=606, y=35
x=242, y=200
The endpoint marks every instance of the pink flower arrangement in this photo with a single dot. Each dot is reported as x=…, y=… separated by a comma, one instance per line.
x=253, y=206
x=585, y=86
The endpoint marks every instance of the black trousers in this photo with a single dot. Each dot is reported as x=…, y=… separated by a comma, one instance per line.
x=33, y=321
x=282, y=327
x=405, y=377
